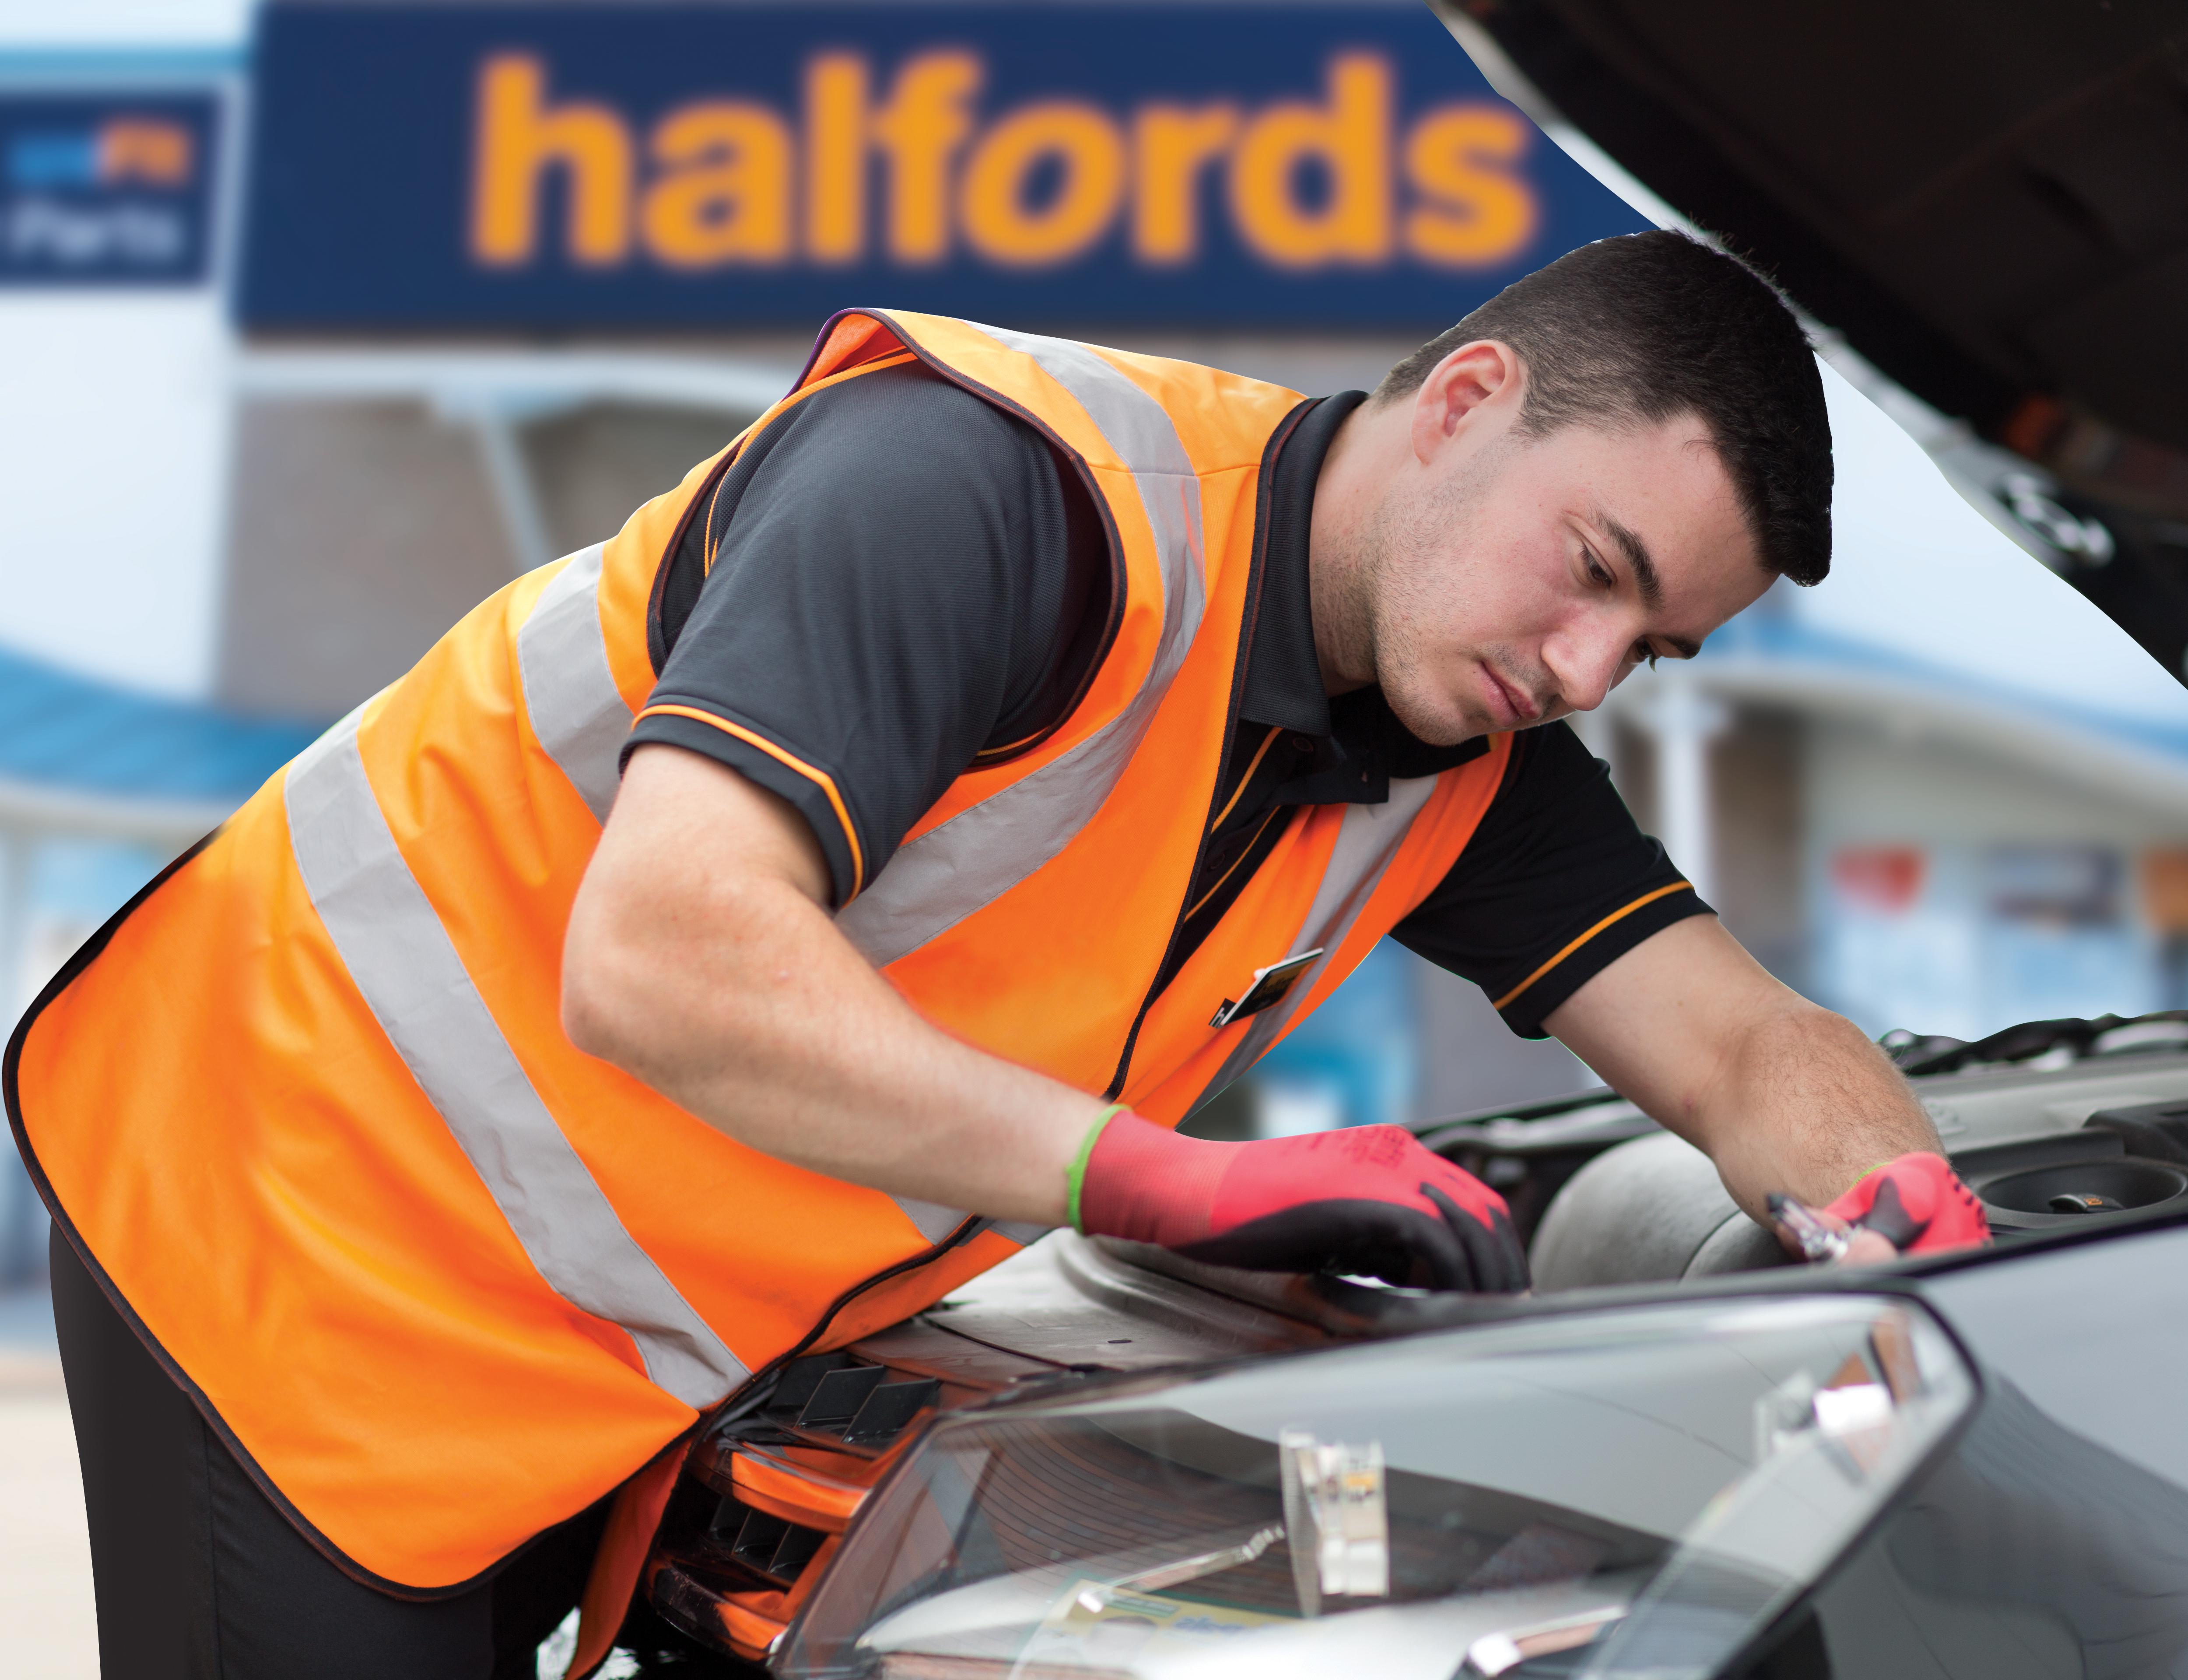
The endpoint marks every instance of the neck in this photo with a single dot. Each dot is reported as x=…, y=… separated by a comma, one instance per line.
x=1346, y=494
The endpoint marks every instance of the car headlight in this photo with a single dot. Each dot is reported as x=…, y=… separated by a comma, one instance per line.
x=1652, y=1484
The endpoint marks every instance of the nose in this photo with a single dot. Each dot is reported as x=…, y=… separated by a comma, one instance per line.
x=1586, y=662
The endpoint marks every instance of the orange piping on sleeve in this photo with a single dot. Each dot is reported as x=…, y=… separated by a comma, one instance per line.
x=1615, y=915
x=820, y=778
x=1008, y=747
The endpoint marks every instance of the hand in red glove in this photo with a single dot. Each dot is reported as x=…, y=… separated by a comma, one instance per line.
x=1918, y=1205
x=1368, y=1201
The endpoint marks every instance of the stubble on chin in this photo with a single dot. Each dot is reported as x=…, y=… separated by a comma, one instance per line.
x=1425, y=692
x=1432, y=718
x=1400, y=597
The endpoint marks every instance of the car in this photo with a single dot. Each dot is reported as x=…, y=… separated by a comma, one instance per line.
x=1681, y=1455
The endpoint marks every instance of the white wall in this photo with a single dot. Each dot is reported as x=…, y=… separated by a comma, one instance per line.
x=68, y=26
x=1865, y=786
x=113, y=434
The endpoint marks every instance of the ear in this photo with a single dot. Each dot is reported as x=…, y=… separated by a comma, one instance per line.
x=1482, y=377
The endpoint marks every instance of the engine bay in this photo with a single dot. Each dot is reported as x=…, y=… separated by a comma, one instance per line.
x=2089, y=1120
x=2082, y=1122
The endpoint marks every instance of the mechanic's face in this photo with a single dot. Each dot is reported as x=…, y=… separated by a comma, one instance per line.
x=1513, y=580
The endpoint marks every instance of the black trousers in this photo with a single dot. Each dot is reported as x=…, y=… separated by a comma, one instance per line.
x=199, y=1577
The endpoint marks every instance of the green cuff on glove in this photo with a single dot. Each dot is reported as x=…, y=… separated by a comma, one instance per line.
x=1076, y=1179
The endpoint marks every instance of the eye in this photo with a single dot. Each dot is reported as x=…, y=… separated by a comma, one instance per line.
x=1597, y=573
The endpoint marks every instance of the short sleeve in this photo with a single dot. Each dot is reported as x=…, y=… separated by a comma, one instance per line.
x=1557, y=883
x=902, y=581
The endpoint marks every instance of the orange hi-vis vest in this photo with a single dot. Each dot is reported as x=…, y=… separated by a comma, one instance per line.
x=442, y=1279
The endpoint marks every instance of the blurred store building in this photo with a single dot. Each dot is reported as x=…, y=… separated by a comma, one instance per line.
x=1940, y=792
x=325, y=319
x=1914, y=851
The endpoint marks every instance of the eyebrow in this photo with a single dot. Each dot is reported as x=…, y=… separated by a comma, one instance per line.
x=1637, y=556
x=1645, y=578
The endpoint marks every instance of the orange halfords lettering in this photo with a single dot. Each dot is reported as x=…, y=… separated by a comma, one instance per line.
x=1351, y=136
x=920, y=130
x=1090, y=155
x=917, y=131
x=519, y=140
x=1172, y=146
x=1479, y=214
x=724, y=193
x=835, y=157
x=1308, y=182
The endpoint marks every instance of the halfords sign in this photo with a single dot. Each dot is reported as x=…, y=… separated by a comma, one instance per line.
x=718, y=167
x=106, y=190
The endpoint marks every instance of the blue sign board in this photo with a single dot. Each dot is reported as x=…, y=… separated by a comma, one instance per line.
x=710, y=166
x=106, y=189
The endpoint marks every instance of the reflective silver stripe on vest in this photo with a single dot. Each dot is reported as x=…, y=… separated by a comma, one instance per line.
x=931, y=1220
x=1366, y=844
x=562, y=659
x=936, y=1222
x=407, y=969
x=949, y=872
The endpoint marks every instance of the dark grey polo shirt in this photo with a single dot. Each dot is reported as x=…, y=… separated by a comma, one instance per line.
x=897, y=581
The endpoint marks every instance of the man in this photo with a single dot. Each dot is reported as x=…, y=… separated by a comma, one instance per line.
x=1025, y=735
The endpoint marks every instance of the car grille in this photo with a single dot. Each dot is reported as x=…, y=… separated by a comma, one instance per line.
x=762, y=1501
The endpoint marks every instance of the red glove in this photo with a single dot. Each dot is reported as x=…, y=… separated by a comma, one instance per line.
x=1368, y=1201
x=1919, y=1203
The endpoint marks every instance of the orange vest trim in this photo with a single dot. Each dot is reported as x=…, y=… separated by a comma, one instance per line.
x=632, y=1521
x=442, y=1279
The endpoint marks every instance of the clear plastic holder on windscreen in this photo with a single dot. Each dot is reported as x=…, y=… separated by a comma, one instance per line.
x=1611, y=1494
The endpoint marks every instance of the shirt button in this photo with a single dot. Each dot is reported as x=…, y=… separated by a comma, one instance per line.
x=1303, y=743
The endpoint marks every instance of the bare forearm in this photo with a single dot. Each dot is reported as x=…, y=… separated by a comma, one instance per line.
x=1805, y=1106
x=1783, y=1096
x=731, y=992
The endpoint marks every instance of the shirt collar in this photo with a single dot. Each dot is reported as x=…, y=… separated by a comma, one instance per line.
x=1356, y=742
x=1283, y=675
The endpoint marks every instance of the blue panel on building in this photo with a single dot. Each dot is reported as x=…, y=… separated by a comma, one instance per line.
x=106, y=190
x=693, y=166
x=62, y=733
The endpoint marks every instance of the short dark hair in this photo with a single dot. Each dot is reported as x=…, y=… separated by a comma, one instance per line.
x=1646, y=327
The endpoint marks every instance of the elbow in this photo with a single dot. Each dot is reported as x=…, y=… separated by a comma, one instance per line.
x=641, y=991
x=599, y=1005
x=592, y=1015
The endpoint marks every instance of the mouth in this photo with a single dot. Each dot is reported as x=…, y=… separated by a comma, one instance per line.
x=1514, y=707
